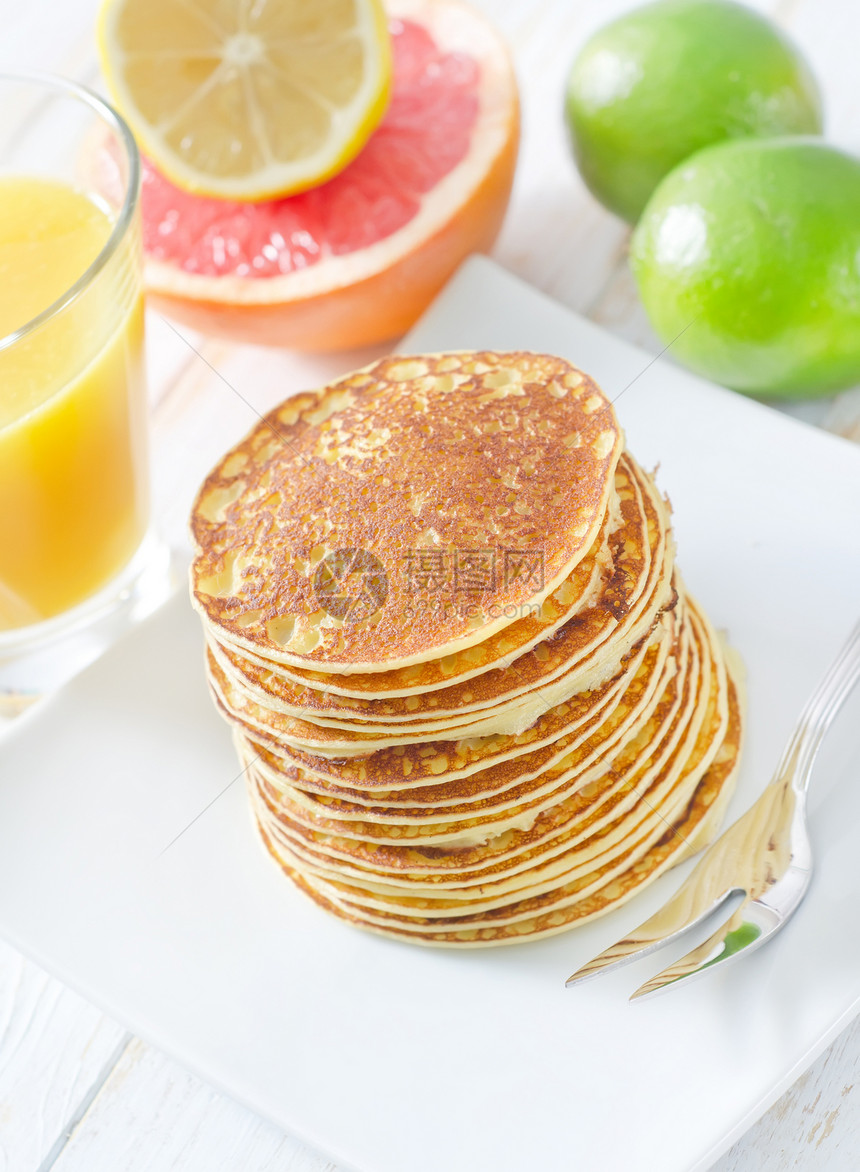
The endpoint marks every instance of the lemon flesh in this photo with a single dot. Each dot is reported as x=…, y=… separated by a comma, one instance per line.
x=244, y=101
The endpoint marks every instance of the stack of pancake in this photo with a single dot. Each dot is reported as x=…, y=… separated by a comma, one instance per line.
x=473, y=701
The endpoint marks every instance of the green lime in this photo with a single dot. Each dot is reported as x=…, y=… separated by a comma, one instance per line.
x=665, y=80
x=747, y=258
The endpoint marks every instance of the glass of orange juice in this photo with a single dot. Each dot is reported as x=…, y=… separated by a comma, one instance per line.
x=76, y=562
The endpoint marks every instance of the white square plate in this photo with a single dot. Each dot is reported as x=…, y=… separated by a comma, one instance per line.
x=392, y=1058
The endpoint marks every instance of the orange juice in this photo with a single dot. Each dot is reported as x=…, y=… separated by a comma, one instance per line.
x=73, y=491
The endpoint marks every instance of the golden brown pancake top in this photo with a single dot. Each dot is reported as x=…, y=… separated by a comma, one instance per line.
x=406, y=511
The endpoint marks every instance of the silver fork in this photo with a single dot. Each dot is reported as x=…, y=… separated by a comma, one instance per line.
x=765, y=857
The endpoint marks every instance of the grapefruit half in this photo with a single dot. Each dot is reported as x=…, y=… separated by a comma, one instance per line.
x=356, y=260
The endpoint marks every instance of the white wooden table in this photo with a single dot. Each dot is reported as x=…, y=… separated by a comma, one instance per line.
x=78, y=1093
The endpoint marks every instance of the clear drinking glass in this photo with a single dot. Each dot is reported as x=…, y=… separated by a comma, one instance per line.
x=78, y=560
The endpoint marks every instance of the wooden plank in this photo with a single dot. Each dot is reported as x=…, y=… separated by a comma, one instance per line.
x=54, y=1047
x=816, y=1124
x=152, y=1114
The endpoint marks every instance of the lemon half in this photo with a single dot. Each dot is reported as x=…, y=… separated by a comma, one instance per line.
x=247, y=99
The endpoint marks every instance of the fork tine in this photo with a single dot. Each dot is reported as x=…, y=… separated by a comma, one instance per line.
x=715, y=877
x=738, y=936
x=682, y=912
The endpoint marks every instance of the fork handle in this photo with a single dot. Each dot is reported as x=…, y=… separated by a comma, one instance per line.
x=818, y=714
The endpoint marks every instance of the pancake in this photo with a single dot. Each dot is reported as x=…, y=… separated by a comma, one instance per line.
x=483, y=800
x=376, y=473
x=579, y=900
x=509, y=756
x=590, y=896
x=633, y=576
x=605, y=715
x=577, y=795
x=307, y=689
x=577, y=656
x=580, y=893
x=450, y=771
